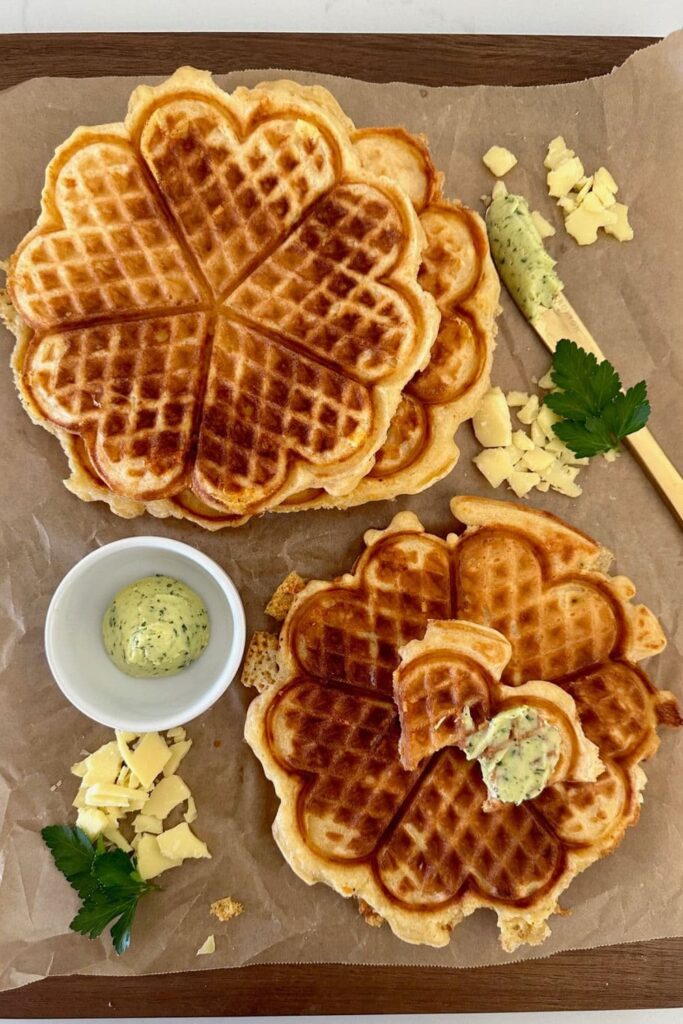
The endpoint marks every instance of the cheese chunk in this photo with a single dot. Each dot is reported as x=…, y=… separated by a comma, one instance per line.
x=521, y=482
x=537, y=435
x=101, y=795
x=151, y=861
x=177, y=733
x=567, y=204
x=529, y=412
x=491, y=421
x=561, y=479
x=103, y=765
x=546, y=419
x=190, y=814
x=564, y=177
x=207, y=947
x=499, y=190
x=557, y=153
x=620, y=229
x=165, y=796
x=543, y=486
x=522, y=441
x=178, y=751
x=92, y=821
x=180, y=843
x=515, y=398
x=148, y=758
x=147, y=823
x=495, y=464
x=499, y=160
x=537, y=460
x=544, y=227
x=112, y=833
x=603, y=179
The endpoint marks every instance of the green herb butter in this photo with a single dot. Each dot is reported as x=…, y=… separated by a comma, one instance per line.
x=155, y=627
x=520, y=256
x=517, y=751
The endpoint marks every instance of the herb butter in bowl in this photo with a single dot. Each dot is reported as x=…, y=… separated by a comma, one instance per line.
x=144, y=634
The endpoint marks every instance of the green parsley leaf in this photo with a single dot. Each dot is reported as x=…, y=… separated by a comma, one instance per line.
x=121, y=931
x=596, y=413
x=584, y=440
x=73, y=854
x=578, y=372
x=107, y=881
x=628, y=412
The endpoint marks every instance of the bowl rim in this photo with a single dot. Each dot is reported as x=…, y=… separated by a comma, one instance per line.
x=212, y=693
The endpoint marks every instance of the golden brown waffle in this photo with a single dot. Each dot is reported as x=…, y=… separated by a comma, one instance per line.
x=222, y=302
x=457, y=270
x=420, y=847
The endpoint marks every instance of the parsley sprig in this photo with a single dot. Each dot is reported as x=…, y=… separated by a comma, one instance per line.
x=596, y=413
x=106, y=880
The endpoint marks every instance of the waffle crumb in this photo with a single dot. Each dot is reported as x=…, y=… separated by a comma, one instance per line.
x=227, y=908
x=260, y=663
x=283, y=597
x=369, y=915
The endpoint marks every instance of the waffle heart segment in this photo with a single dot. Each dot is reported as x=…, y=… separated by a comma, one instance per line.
x=251, y=211
x=424, y=846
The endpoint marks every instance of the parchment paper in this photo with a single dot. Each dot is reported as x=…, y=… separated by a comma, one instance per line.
x=629, y=295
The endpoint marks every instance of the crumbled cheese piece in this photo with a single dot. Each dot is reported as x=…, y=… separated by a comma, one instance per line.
x=545, y=419
x=190, y=814
x=543, y=226
x=564, y=177
x=147, y=823
x=165, y=796
x=557, y=153
x=92, y=821
x=537, y=435
x=546, y=382
x=603, y=179
x=180, y=843
x=151, y=861
x=226, y=908
x=584, y=190
x=114, y=836
x=515, y=398
x=101, y=795
x=499, y=160
x=529, y=412
x=561, y=479
x=620, y=228
x=176, y=734
x=611, y=456
x=207, y=947
x=495, y=464
x=543, y=486
x=537, y=460
x=567, y=204
x=583, y=223
x=522, y=482
x=522, y=441
x=101, y=766
x=148, y=758
x=178, y=751
x=604, y=195
x=499, y=190
x=491, y=421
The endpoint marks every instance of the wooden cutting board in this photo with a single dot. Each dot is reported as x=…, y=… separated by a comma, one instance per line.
x=640, y=975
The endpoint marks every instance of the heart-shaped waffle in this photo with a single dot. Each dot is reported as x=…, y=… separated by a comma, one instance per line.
x=456, y=269
x=244, y=230
x=423, y=847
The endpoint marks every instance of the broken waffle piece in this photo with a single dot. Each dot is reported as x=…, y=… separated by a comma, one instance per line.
x=260, y=662
x=282, y=598
x=226, y=908
x=442, y=686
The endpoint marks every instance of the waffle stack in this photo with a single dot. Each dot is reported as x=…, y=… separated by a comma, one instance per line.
x=526, y=612
x=235, y=303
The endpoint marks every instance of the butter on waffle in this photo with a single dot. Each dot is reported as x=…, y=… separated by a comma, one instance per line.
x=451, y=677
x=222, y=302
x=419, y=847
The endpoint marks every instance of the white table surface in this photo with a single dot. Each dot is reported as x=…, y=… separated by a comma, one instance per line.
x=571, y=17
x=575, y=17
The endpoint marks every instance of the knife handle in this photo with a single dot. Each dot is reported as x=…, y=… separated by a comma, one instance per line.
x=657, y=464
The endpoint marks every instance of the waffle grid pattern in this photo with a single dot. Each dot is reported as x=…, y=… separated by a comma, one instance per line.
x=228, y=206
x=440, y=847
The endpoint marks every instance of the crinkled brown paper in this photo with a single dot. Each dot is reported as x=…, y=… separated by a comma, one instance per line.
x=629, y=295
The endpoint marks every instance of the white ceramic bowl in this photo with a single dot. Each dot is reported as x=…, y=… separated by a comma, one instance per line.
x=81, y=666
